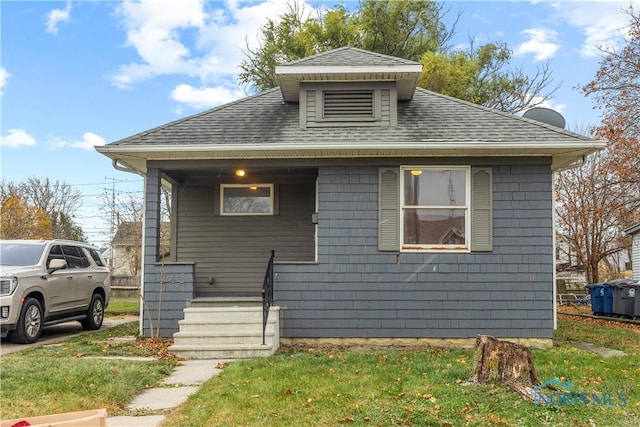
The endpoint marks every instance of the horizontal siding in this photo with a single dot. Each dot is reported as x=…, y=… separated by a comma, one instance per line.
x=357, y=291
x=234, y=250
x=635, y=257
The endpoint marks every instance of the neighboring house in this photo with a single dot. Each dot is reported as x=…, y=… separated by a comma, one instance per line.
x=634, y=232
x=571, y=276
x=394, y=212
x=125, y=253
x=126, y=248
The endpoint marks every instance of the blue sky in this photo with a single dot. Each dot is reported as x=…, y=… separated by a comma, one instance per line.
x=75, y=74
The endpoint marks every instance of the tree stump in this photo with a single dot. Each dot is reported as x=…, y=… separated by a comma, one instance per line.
x=504, y=363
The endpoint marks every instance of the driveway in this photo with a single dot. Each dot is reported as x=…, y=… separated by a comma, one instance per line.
x=61, y=332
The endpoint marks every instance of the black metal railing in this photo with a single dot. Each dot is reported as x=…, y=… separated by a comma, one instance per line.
x=267, y=295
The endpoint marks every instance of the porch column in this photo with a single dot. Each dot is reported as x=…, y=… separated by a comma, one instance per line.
x=166, y=286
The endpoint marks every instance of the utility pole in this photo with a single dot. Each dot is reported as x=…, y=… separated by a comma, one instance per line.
x=114, y=219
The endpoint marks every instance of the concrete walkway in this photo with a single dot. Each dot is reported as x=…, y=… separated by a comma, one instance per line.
x=185, y=380
x=602, y=351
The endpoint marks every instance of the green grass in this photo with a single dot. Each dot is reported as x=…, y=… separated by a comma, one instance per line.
x=619, y=336
x=422, y=387
x=326, y=386
x=123, y=306
x=67, y=376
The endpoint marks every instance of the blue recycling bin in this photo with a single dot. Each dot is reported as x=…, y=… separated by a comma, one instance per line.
x=598, y=292
x=607, y=303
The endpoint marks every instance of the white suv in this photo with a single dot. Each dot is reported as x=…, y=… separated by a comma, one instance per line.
x=46, y=282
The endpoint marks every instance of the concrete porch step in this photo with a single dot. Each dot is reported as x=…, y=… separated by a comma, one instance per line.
x=219, y=338
x=226, y=302
x=223, y=330
x=212, y=326
x=224, y=314
x=223, y=351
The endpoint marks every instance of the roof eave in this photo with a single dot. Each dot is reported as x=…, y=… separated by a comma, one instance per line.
x=563, y=154
x=290, y=77
x=632, y=230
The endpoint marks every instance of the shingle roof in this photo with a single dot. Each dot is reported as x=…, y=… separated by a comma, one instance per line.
x=429, y=117
x=350, y=56
x=264, y=126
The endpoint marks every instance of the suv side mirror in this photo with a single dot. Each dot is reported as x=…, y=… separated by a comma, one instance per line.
x=56, y=264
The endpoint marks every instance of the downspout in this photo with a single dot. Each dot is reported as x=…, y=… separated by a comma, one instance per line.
x=577, y=164
x=125, y=168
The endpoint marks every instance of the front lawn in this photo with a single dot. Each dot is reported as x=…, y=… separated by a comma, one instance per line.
x=422, y=387
x=73, y=376
x=328, y=386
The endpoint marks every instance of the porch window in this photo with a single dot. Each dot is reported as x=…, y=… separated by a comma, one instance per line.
x=246, y=199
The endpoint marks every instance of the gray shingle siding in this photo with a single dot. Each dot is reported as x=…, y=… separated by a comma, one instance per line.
x=357, y=291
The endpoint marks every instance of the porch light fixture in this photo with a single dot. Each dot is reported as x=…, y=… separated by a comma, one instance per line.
x=241, y=172
x=416, y=172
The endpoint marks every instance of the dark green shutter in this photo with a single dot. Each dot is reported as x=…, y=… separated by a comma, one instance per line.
x=388, y=210
x=481, y=209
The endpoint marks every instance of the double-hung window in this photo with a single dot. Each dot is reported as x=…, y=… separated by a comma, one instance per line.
x=435, y=208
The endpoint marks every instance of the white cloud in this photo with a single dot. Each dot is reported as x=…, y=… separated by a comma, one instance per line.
x=154, y=30
x=204, y=97
x=602, y=23
x=58, y=16
x=17, y=138
x=89, y=140
x=542, y=44
x=192, y=38
x=4, y=78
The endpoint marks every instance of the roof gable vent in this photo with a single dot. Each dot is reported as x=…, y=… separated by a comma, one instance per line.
x=348, y=104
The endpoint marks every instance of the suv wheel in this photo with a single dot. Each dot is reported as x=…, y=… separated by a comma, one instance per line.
x=29, y=325
x=95, y=314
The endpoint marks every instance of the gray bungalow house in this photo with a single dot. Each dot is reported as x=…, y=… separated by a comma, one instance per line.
x=393, y=212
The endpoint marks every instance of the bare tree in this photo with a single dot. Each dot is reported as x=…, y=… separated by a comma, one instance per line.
x=593, y=207
x=56, y=200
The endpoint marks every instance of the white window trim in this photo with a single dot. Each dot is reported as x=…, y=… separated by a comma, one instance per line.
x=271, y=197
x=466, y=248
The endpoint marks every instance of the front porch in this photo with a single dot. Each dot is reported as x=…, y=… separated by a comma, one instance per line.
x=221, y=238
x=207, y=327
x=226, y=328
